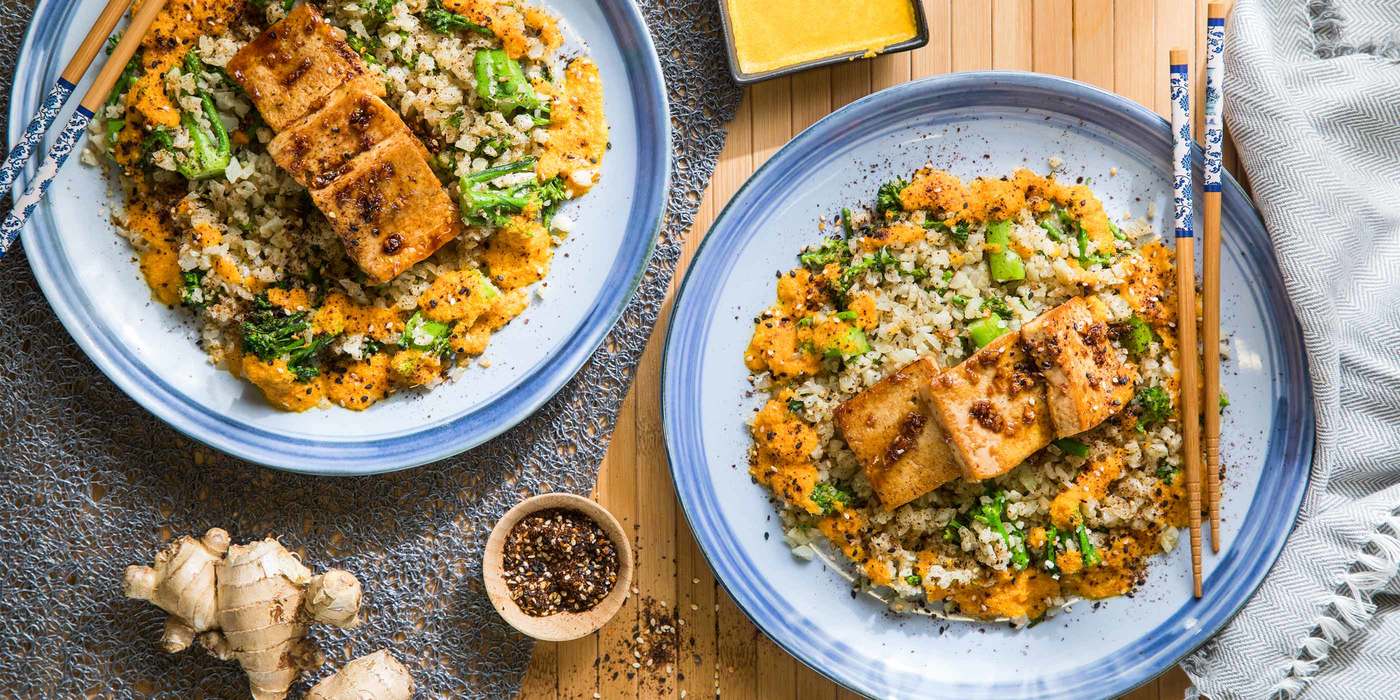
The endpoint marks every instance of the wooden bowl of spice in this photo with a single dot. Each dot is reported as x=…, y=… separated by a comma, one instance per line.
x=557, y=567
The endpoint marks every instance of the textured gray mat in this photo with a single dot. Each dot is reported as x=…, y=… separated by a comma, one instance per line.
x=89, y=482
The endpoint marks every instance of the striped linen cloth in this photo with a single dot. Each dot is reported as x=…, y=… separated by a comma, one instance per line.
x=1312, y=98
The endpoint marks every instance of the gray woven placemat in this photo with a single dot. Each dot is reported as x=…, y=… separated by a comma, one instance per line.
x=90, y=482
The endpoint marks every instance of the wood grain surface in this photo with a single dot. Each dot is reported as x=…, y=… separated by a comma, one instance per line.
x=712, y=649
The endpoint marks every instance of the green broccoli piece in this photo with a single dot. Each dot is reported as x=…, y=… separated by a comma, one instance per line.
x=272, y=333
x=831, y=250
x=421, y=334
x=990, y=514
x=502, y=85
x=877, y=261
x=1052, y=538
x=445, y=21
x=913, y=579
x=998, y=306
x=795, y=406
x=304, y=362
x=1166, y=473
x=483, y=204
x=1073, y=447
x=958, y=232
x=950, y=532
x=828, y=497
x=1152, y=404
x=1054, y=225
x=1086, y=548
x=1224, y=401
x=192, y=293
x=1135, y=335
x=887, y=198
x=846, y=226
x=212, y=150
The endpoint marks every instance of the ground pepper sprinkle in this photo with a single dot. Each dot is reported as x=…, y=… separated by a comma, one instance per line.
x=559, y=560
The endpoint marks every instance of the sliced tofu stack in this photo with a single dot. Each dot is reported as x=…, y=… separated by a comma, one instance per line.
x=365, y=169
x=1089, y=379
x=318, y=149
x=291, y=69
x=891, y=429
x=389, y=208
x=993, y=409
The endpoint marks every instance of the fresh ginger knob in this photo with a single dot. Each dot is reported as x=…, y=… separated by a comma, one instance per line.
x=377, y=676
x=334, y=598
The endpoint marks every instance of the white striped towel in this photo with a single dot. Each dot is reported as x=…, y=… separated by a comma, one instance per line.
x=1312, y=97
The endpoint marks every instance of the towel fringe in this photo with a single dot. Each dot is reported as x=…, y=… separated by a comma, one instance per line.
x=1348, y=608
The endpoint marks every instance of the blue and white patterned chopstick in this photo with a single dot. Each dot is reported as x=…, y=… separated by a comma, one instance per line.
x=1210, y=325
x=73, y=132
x=1215, y=136
x=1182, y=204
x=38, y=126
x=1183, y=209
x=25, y=205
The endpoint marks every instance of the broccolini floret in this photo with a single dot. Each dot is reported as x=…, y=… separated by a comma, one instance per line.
x=421, y=334
x=1135, y=335
x=485, y=204
x=1087, y=551
x=887, y=198
x=271, y=333
x=831, y=250
x=1152, y=405
x=502, y=85
x=192, y=292
x=990, y=514
x=829, y=497
x=444, y=21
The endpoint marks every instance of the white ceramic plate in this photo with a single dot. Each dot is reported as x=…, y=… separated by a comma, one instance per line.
x=86, y=272
x=974, y=124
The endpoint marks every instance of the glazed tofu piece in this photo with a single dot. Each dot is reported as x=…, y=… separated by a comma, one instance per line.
x=1088, y=378
x=891, y=429
x=993, y=409
x=292, y=68
x=389, y=208
x=318, y=149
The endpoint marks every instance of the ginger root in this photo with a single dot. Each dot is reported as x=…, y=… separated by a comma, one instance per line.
x=248, y=603
x=377, y=676
x=181, y=583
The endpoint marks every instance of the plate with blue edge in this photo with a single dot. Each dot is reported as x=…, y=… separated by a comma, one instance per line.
x=975, y=124
x=149, y=351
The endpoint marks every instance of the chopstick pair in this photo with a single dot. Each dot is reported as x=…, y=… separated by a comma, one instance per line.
x=74, y=130
x=1183, y=209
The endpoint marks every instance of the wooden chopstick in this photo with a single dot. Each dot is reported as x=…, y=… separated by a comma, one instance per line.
x=1210, y=285
x=60, y=92
x=76, y=128
x=1183, y=208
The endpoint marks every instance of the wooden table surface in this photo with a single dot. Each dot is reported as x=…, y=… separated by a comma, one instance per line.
x=1120, y=45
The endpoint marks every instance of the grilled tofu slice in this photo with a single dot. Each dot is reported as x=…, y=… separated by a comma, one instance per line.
x=318, y=149
x=1089, y=379
x=389, y=208
x=993, y=409
x=292, y=68
x=891, y=429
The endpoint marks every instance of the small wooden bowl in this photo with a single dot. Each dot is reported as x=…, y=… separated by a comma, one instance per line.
x=560, y=627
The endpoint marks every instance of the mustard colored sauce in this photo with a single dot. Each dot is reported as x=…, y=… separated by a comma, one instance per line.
x=773, y=34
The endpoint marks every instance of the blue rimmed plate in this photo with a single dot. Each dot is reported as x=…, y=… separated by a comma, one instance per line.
x=975, y=124
x=85, y=271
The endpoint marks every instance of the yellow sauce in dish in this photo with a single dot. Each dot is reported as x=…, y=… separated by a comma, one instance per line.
x=773, y=34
